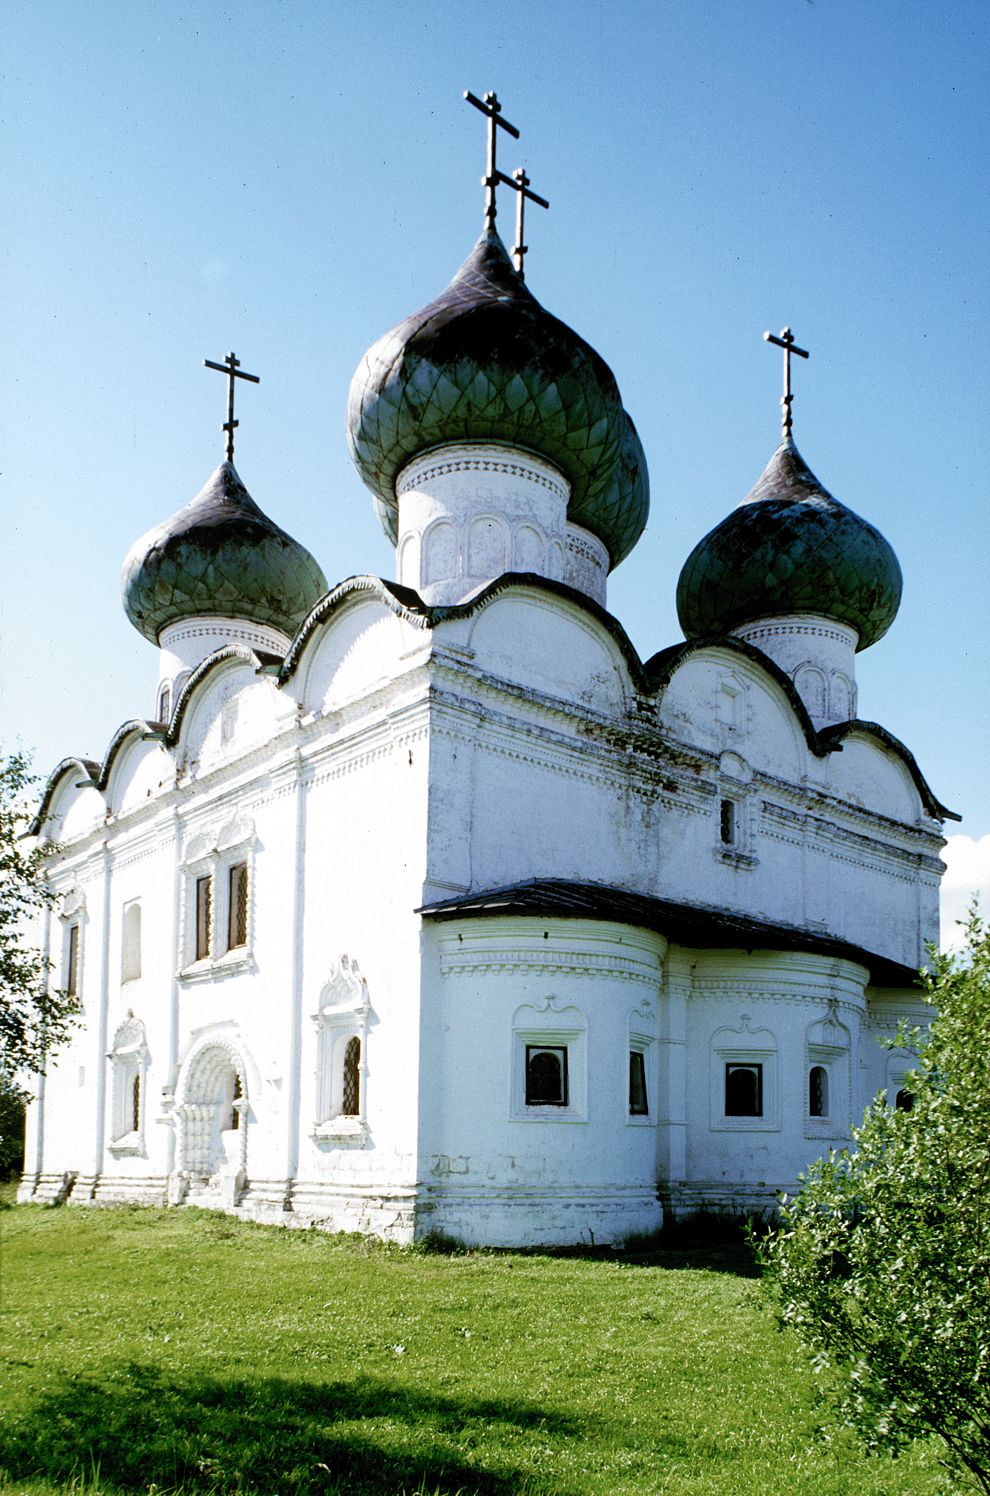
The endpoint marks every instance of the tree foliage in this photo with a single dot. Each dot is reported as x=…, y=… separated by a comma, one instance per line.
x=35, y=1017
x=882, y=1262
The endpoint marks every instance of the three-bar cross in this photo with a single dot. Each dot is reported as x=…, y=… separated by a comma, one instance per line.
x=492, y=109
x=520, y=181
x=786, y=341
x=231, y=366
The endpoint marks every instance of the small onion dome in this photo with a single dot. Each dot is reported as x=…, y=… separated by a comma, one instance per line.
x=219, y=557
x=790, y=548
x=485, y=362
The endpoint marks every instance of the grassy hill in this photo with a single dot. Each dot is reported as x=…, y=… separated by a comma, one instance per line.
x=165, y=1351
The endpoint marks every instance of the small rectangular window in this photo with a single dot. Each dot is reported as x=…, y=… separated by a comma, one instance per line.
x=204, y=916
x=727, y=822
x=743, y=1090
x=238, y=906
x=546, y=1075
x=638, y=1102
x=72, y=962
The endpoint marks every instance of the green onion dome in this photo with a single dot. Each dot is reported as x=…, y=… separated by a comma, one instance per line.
x=485, y=362
x=790, y=548
x=219, y=557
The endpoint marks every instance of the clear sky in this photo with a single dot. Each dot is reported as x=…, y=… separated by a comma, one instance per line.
x=290, y=179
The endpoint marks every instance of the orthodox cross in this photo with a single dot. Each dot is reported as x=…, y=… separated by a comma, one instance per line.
x=492, y=109
x=520, y=181
x=231, y=366
x=786, y=341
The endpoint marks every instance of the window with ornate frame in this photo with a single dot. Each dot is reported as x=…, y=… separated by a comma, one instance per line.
x=129, y=1059
x=642, y=1036
x=549, y=1080
x=341, y=1075
x=217, y=921
x=744, y=1079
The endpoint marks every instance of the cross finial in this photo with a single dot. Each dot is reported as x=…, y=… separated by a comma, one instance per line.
x=520, y=181
x=231, y=366
x=786, y=341
x=492, y=109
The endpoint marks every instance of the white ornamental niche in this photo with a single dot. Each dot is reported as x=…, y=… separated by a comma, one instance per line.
x=470, y=512
x=819, y=655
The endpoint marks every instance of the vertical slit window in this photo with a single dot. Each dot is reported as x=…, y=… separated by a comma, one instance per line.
x=204, y=916
x=351, y=1099
x=136, y=1103
x=638, y=1102
x=131, y=962
x=818, y=1091
x=237, y=1092
x=237, y=912
x=72, y=962
x=727, y=822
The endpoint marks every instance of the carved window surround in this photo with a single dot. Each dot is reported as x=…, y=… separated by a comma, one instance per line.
x=211, y=855
x=341, y=1019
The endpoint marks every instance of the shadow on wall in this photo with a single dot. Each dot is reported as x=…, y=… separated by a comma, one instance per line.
x=141, y=1429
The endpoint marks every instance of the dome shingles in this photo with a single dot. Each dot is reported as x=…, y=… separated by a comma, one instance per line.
x=219, y=557
x=790, y=548
x=486, y=362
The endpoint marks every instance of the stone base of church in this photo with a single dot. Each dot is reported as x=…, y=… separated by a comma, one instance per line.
x=372, y=1210
x=719, y=1201
x=547, y=1216
x=125, y=1189
x=45, y=1189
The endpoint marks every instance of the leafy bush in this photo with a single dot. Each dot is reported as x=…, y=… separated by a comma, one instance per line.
x=882, y=1261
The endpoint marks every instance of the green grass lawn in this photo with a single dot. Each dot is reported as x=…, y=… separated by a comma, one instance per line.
x=149, y=1350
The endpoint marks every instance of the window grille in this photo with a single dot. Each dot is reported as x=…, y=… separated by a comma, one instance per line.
x=237, y=921
x=743, y=1090
x=72, y=962
x=546, y=1075
x=638, y=1102
x=818, y=1091
x=351, y=1096
x=204, y=916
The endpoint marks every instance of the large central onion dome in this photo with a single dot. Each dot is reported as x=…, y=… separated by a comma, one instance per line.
x=219, y=557
x=790, y=548
x=485, y=362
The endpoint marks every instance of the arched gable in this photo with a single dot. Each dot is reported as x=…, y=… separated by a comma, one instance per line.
x=71, y=803
x=355, y=639
x=541, y=638
x=726, y=699
x=870, y=773
x=229, y=705
x=134, y=768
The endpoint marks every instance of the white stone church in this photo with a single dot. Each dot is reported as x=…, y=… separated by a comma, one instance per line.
x=428, y=905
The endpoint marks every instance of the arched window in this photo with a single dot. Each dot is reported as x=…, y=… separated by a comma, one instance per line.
x=818, y=1091
x=904, y=1100
x=129, y=1060
x=130, y=967
x=743, y=1090
x=546, y=1075
x=165, y=702
x=351, y=1097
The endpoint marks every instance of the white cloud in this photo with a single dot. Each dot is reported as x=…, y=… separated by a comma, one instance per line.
x=967, y=861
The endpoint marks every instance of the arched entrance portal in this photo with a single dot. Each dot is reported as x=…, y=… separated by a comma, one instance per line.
x=213, y=1123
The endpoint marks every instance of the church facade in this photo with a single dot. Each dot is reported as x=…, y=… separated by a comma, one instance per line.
x=427, y=905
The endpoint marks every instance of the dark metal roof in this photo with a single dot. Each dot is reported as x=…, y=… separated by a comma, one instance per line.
x=219, y=557
x=486, y=362
x=692, y=925
x=789, y=548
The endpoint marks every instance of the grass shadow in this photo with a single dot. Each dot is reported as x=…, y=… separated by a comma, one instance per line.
x=140, y=1427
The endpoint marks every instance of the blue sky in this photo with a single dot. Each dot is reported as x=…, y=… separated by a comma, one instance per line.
x=289, y=180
